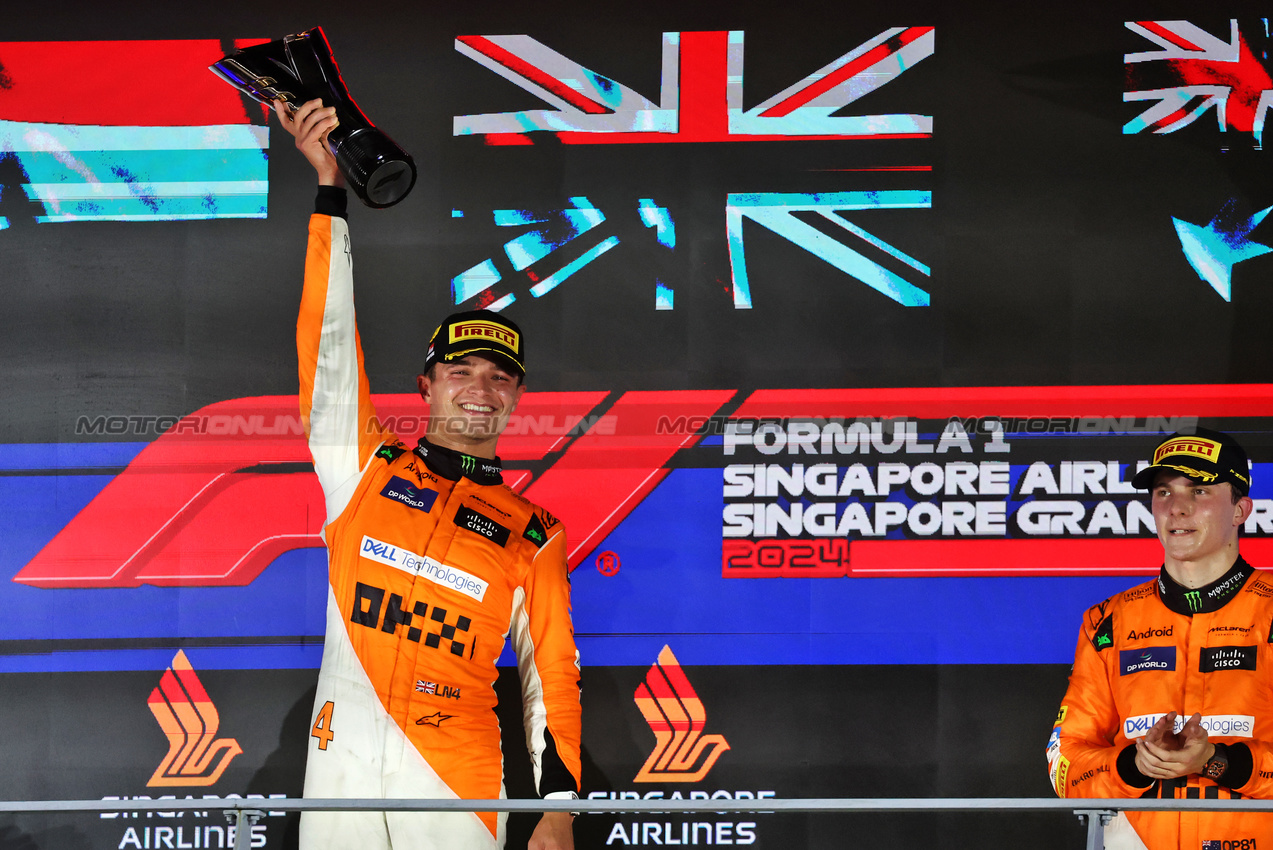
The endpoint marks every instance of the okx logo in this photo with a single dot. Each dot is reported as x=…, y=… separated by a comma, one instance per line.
x=190, y=720
x=682, y=753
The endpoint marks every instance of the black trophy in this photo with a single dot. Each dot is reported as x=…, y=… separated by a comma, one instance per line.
x=298, y=68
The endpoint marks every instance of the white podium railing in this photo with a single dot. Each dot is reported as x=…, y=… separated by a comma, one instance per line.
x=245, y=812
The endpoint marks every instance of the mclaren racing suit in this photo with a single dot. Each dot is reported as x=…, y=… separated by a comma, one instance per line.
x=433, y=562
x=1161, y=647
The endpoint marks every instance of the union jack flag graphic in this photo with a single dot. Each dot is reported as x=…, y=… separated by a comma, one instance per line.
x=1193, y=71
x=426, y=687
x=700, y=95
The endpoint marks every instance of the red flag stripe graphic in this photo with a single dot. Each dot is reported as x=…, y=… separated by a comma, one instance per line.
x=848, y=71
x=545, y=81
x=1168, y=35
x=109, y=83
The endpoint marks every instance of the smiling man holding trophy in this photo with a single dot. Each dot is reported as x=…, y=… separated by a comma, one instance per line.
x=432, y=561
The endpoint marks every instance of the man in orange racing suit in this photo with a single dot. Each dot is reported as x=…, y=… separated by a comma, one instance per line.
x=1171, y=694
x=433, y=562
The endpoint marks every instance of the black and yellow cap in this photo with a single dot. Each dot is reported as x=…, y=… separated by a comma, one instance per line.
x=480, y=332
x=1204, y=456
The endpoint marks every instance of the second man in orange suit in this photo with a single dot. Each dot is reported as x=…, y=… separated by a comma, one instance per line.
x=1171, y=694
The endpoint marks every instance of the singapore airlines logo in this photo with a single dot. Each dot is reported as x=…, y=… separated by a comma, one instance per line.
x=190, y=720
x=682, y=753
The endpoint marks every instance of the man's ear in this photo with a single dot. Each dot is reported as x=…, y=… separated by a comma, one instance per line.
x=423, y=384
x=1244, y=506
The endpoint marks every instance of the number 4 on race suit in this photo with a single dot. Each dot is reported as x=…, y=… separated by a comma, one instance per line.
x=322, y=729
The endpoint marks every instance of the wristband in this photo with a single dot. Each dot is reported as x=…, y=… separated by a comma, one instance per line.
x=563, y=795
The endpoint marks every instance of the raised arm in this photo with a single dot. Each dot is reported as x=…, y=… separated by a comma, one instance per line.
x=335, y=399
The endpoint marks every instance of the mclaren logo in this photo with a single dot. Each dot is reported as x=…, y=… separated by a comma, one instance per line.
x=196, y=757
x=682, y=753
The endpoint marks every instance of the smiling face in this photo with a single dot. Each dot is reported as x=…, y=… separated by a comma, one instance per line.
x=1198, y=527
x=470, y=401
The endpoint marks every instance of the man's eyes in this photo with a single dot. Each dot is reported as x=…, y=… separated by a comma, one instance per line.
x=463, y=371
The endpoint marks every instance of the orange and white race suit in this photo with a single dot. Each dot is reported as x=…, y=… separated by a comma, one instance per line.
x=1161, y=647
x=433, y=563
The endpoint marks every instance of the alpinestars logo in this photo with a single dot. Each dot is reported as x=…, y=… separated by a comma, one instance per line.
x=677, y=717
x=187, y=716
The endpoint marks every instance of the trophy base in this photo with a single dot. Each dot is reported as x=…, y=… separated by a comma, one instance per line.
x=381, y=172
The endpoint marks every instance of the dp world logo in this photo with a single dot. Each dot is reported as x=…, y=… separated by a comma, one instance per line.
x=682, y=753
x=190, y=720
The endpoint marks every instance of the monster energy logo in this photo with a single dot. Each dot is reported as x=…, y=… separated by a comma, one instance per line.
x=467, y=463
x=1194, y=598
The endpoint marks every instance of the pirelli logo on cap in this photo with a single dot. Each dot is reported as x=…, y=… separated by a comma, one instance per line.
x=1195, y=446
x=482, y=330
